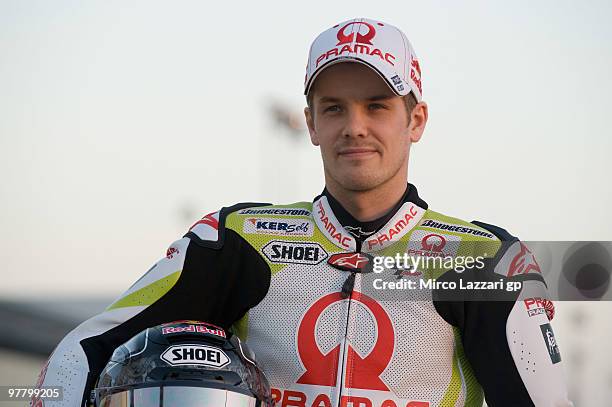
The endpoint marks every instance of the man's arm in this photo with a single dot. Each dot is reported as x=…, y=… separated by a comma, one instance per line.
x=201, y=278
x=509, y=341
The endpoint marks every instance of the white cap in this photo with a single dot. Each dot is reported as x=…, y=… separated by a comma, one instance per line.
x=378, y=45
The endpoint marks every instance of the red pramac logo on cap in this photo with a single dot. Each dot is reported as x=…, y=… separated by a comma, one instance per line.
x=363, y=44
x=361, y=38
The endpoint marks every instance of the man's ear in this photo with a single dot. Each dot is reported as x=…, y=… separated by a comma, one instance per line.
x=418, y=120
x=314, y=138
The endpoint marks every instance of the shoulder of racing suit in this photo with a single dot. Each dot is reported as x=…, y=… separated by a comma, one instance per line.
x=244, y=220
x=210, y=230
x=436, y=220
x=496, y=244
x=505, y=338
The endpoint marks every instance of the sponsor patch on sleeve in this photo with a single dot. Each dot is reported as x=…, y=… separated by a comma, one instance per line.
x=538, y=306
x=551, y=343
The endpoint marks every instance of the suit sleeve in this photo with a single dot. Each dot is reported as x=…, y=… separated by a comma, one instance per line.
x=202, y=277
x=508, y=338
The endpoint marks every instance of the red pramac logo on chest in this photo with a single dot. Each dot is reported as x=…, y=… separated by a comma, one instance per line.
x=361, y=373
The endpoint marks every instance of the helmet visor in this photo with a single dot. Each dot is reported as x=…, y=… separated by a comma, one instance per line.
x=169, y=396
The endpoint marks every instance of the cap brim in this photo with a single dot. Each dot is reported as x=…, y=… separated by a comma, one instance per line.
x=338, y=60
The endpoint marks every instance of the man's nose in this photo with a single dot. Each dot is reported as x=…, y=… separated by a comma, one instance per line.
x=355, y=124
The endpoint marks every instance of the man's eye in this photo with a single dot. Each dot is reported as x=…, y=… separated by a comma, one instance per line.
x=375, y=106
x=332, y=108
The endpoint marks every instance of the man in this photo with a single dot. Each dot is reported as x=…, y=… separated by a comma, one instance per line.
x=295, y=281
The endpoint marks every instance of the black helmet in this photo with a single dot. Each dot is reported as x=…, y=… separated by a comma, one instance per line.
x=182, y=363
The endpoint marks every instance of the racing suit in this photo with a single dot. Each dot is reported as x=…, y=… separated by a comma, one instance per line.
x=300, y=288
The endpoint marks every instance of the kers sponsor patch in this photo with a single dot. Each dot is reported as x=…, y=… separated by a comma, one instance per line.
x=430, y=223
x=279, y=227
x=193, y=354
x=551, y=343
x=294, y=252
x=276, y=211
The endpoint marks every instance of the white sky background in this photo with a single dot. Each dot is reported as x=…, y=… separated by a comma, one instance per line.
x=118, y=117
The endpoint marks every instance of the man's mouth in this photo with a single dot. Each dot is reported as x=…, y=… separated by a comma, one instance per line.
x=356, y=152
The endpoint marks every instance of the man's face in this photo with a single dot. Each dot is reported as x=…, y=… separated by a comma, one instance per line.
x=361, y=127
